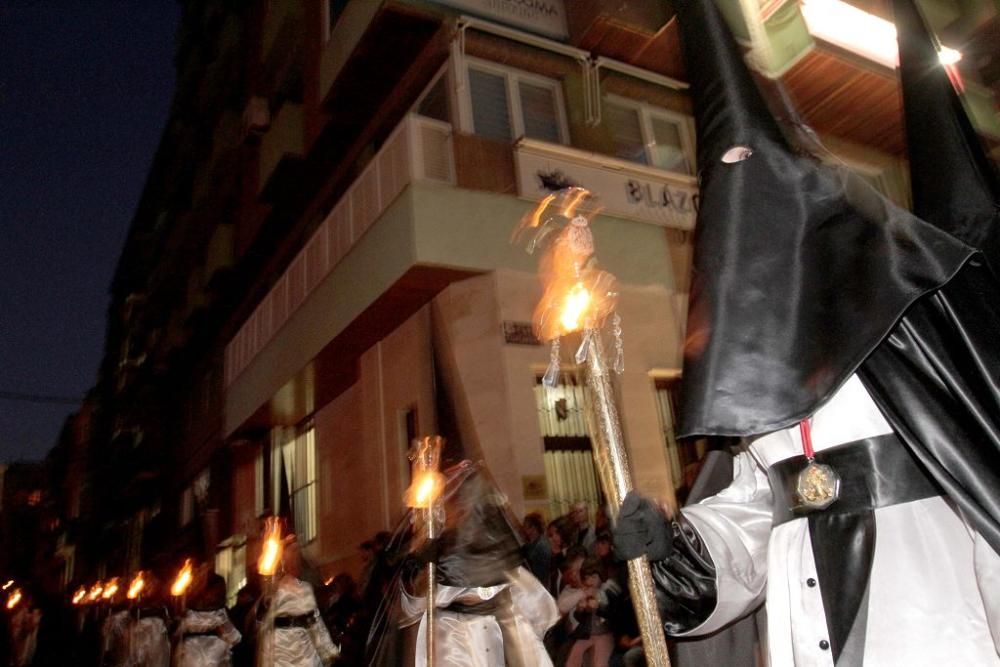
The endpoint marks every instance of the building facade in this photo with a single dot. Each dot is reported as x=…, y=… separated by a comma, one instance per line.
x=321, y=267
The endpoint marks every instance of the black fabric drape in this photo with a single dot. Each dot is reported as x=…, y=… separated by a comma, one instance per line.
x=936, y=378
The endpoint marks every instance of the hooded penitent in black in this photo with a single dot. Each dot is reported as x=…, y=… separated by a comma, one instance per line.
x=803, y=275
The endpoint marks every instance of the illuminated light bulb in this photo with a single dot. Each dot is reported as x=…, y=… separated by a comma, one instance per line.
x=575, y=306
x=183, y=580
x=79, y=596
x=135, y=588
x=949, y=56
x=10, y=582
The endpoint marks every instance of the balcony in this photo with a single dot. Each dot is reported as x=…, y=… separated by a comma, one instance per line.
x=419, y=149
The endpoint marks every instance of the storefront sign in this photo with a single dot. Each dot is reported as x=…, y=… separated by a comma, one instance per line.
x=626, y=190
x=544, y=17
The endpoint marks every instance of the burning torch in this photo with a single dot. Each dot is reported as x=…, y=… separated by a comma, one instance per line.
x=579, y=298
x=428, y=482
x=181, y=583
x=14, y=598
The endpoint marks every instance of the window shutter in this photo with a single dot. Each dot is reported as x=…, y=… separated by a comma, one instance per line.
x=538, y=106
x=490, y=116
x=626, y=129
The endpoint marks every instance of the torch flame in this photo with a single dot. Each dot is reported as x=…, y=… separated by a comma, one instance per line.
x=95, y=592
x=110, y=589
x=80, y=594
x=425, y=489
x=270, y=554
x=135, y=588
x=183, y=579
x=10, y=582
x=575, y=307
x=14, y=598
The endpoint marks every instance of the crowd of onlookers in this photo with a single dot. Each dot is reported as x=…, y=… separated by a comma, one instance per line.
x=573, y=555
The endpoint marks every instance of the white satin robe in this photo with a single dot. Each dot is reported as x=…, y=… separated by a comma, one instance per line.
x=934, y=596
x=213, y=649
x=295, y=646
x=475, y=640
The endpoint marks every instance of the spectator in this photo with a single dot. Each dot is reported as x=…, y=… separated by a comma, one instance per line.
x=587, y=607
x=582, y=531
x=537, y=552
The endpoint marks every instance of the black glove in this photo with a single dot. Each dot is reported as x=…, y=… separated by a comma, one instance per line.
x=642, y=530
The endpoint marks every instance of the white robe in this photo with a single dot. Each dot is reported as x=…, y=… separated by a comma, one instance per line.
x=295, y=646
x=209, y=650
x=475, y=640
x=934, y=596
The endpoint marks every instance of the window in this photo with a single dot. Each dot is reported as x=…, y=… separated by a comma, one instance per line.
x=569, y=460
x=650, y=135
x=435, y=102
x=293, y=457
x=506, y=104
x=683, y=457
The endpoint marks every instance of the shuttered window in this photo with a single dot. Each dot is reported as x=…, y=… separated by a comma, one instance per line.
x=649, y=135
x=490, y=114
x=507, y=104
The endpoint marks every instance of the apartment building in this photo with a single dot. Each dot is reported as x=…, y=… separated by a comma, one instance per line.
x=321, y=267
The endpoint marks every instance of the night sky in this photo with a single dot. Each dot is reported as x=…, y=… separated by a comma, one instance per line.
x=85, y=87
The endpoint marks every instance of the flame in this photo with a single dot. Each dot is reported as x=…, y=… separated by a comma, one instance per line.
x=135, y=588
x=575, y=307
x=425, y=489
x=14, y=598
x=10, y=582
x=270, y=554
x=95, y=592
x=80, y=594
x=183, y=579
x=110, y=589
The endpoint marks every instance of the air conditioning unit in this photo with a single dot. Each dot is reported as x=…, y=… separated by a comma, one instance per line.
x=256, y=118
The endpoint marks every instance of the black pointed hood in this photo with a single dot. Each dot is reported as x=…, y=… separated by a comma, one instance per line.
x=955, y=186
x=793, y=285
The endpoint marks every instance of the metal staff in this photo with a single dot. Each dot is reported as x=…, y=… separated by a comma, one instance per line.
x=423, y=494
x=579, y=298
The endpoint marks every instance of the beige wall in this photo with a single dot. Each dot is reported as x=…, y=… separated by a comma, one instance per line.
x=361, y=448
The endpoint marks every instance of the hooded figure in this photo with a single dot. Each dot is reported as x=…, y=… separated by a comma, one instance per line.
x=855, y=347
x=490, y=610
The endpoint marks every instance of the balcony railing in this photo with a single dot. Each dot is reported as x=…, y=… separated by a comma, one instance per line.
x=419, y=149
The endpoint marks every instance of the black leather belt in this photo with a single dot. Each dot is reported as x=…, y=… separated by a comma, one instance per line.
x=301, y=621
x=206, y=633
x=874, y=472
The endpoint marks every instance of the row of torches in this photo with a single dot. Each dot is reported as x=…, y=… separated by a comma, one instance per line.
x=100, y=591
x=267, y=565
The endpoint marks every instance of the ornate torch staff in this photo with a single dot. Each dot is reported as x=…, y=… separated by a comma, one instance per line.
x=423, y=494
x=578, y=298
x=267, y=566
